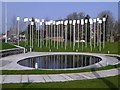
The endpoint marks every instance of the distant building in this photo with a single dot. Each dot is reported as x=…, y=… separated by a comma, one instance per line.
x=2, y=37
x=22, y=37
x=59, y=39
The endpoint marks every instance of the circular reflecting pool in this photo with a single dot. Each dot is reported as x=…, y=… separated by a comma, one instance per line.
x=60, y=61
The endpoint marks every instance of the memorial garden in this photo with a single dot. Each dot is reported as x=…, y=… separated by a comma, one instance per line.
x=76, y=51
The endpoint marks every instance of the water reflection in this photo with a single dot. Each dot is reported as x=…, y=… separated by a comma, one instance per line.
x=60, y=61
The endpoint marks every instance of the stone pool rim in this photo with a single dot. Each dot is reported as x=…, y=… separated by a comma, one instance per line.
x=15, y=58
x=103, y=61
x=61, y=55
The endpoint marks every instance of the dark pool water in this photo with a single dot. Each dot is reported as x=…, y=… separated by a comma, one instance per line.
x=60, y=61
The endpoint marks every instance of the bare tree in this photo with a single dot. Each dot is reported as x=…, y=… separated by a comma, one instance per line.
x=81, y=15
x=14, y=25
x=109, y=24
x=116, y=32
x=73, y=16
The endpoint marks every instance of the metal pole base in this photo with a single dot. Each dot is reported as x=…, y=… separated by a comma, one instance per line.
x=30, y=49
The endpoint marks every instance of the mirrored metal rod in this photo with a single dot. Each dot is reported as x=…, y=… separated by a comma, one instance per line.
x=94, y=20
x=86, y=22
x=74, y=22
x=91, y=23
x=104, y=19
x=100, y=24
x=18, y=19
x=82, y=23
x=78, y=22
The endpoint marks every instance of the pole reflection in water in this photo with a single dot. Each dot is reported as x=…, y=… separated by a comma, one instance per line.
x=85, y=61
x=60, y=61
x=46, y=61
x=82, y=61
x=77, y=61
x=65, y=61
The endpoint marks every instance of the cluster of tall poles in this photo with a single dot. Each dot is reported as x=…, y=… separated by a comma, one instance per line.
x=54, y=33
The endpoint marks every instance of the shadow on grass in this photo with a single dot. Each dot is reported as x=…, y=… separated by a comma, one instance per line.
x=25, y=85
x=107, y=82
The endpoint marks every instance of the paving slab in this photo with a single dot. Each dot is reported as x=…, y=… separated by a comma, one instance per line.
x=12, y=79
x=90, y=75
x=3, y=77
x=99, y=75
x=24, y=78
x=56, y=78
x=47, y=78
x=109, y=72
x=67, y=77
x=87, y=77
x=76, y=76
x=5, y=62
x=36, y=78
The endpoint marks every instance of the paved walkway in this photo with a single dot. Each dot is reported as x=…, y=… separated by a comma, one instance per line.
x=58, y=77
x=10, y=63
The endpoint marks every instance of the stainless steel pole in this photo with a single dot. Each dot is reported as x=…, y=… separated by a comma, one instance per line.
x=30, y=37
x=70, y=23
x=6, y=22
x=62, y=34
x=86, y=33
x=38, y=36
x=65, y=37
x=97, y=31
x=104, y=34
x=82, y=37
x=57, y=35
x=74, y=38
x=91, y=22
x=43, y=29
x=54, y=34
x=18, y=32
x=51, y=33
x=78, y=37
x=46, y=33
x=100, y=38
x=94, y=33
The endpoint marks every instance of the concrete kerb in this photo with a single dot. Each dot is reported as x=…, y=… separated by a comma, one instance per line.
x=20, y=47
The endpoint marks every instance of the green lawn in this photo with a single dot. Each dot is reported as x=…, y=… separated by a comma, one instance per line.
x=4, y=45
x=109, y=82
x=5, y=72
x=112, y=47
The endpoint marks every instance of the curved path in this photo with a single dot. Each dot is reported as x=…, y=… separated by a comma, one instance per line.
x=10, y=63
x=58, y=77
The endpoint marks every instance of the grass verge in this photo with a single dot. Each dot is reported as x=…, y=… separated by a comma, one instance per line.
x=111, y=47
x=6, y=46
x=23, y=72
